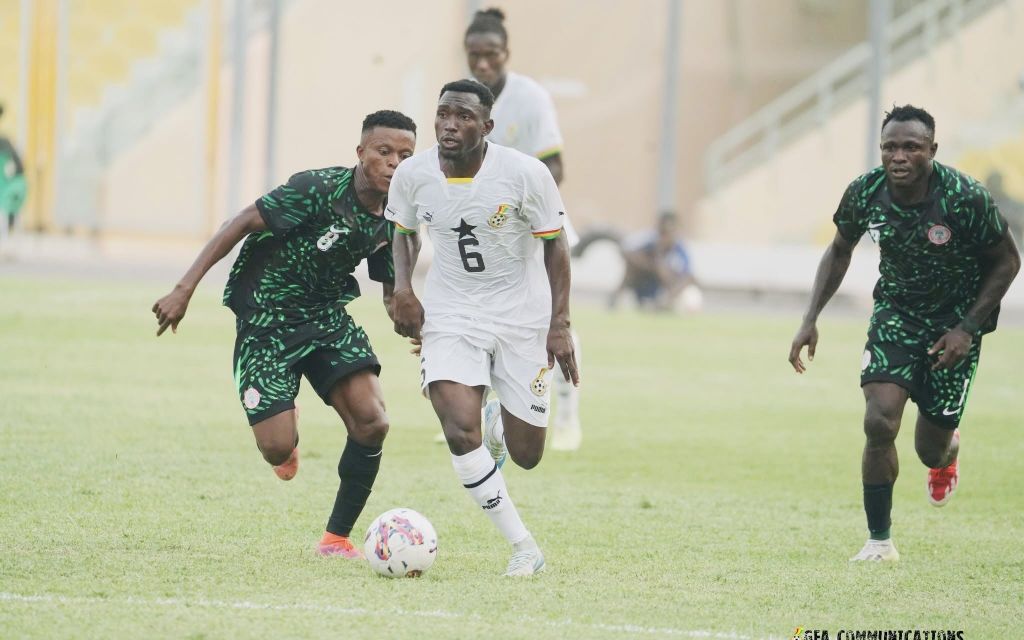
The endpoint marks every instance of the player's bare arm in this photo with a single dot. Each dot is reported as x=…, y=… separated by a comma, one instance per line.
x=406, y=310
x=560, y=345
x=170, y=309
x=830, y=274
x=555, y=166
x=1000, y=265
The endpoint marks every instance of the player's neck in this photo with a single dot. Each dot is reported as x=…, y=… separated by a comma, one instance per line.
x=367, y=196
x=465, y=167
x=499, y=86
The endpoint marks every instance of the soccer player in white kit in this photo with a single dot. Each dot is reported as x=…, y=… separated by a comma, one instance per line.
x=524, y=119
x=495, y=310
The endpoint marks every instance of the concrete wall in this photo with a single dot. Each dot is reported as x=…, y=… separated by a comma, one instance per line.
x=602, y=60
x=964, y=82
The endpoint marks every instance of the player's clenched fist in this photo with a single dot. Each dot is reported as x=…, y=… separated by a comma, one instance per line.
x=407, y=313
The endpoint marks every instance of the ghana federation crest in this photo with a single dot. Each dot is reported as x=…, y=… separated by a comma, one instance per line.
x=499, y=217
x=539, y=386
x=939, y=234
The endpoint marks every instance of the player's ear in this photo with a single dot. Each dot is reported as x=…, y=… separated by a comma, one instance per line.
x=935, y=147
x=360, y=150
x=488, y=126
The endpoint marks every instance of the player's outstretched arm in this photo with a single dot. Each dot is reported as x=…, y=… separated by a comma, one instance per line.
x=405, y=308
x=170, y=309
x=830, y=274
x=560, y=344
x=999, y=265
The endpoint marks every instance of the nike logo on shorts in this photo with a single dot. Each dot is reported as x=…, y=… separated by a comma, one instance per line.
x=947, y=412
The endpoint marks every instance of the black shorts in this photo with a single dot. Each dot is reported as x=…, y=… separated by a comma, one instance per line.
x=897, y=352
x=269, y=361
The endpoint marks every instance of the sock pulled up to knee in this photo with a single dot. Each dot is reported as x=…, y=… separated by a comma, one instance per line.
x=357, y=470
x=485, y=484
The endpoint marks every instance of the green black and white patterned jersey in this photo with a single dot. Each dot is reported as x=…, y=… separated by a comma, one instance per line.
x=930, y=252
x=301, y=268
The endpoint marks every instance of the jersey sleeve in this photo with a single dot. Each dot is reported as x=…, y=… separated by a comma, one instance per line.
x=544, y=137
x=381, y=264
x=985, y=225
x=401, y=209
x=291, y=204
x=851, y=217
x=542, y=204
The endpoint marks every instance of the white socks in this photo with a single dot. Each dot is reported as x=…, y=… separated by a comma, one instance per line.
x=485, y=484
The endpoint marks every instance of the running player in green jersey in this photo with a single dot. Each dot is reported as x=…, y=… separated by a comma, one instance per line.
x=288, y=289
x=946, y=262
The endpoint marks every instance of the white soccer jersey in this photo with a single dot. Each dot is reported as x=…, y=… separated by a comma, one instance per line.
x=487, y=233
x=524, y=118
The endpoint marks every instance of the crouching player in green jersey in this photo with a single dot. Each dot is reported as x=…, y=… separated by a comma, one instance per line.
x=288, y=289
x=946, y=262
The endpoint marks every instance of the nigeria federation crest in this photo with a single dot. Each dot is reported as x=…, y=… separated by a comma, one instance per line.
x=251, y=398
x=499, y=217
x=939, y=234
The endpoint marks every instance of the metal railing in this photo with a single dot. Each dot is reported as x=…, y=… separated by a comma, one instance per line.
x=815, y=99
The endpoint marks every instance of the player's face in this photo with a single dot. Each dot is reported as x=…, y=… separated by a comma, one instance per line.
x=460, y=123
x=380, y=151
x=486, y=56
x=907, y=152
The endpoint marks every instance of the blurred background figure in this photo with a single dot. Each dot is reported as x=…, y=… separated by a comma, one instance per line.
x=12, y=187
x=1011, y=208
x=525, y=119
x=658, y=271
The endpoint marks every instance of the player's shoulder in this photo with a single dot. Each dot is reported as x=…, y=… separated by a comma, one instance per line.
x=526, y=85
x=416, y=166
x=867, y=184
x=513, y=160
x=326, y=178
x=958, y=184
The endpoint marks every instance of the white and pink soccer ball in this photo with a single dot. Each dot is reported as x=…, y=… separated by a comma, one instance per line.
x=401, y=543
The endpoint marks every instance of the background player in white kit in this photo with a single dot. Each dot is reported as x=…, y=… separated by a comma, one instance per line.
x=495, y=311
x=524, y=119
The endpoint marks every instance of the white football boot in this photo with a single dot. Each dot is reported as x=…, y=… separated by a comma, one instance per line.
x=526, y=560
x=877, y=551
x=494, y=432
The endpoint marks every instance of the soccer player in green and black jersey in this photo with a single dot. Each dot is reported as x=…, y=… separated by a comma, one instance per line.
x=288, y=290
x=946, y=262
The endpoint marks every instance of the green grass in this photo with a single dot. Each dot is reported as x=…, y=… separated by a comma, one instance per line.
x=715, y=490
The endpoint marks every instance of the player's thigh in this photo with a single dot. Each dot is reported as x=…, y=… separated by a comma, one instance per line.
x=359, y=400
x=458, y=408
x=277, y=435
x=265, y=374
x=520, y=377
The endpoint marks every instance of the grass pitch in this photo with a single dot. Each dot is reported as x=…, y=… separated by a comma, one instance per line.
x=717, y=494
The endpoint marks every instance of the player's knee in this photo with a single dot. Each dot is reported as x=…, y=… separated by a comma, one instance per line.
x=275, y=450
x=370, y=430
x=462, y=441
x=525, y=457
x=930, y=455
x=879, y=427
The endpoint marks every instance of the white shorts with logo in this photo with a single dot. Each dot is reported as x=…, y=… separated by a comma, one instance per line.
x=512, y=361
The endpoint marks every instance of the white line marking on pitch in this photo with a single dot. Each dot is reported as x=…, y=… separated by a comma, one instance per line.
x=359, y=611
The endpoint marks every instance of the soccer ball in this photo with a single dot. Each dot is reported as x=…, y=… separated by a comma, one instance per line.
x=400, y=543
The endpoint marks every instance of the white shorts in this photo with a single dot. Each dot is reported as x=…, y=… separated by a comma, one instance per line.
x=512, y=361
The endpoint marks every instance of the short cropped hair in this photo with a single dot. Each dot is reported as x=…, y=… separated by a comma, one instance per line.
x=470, y=86
x=908, y=113
x=389, y=119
